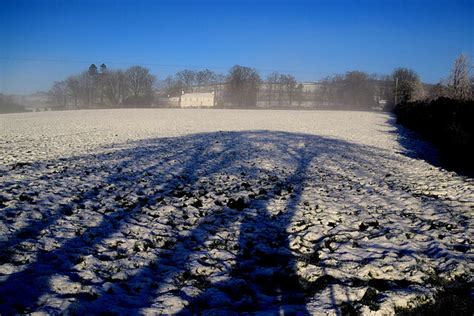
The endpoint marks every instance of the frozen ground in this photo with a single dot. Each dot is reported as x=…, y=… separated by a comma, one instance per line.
x=170, y=211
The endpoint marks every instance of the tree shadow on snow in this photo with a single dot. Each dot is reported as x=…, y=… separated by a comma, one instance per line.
x=200, y=222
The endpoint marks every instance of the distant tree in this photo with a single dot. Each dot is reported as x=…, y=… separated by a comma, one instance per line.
x=205, y=77
x=299, y=94
x=289, y=85
x=358, y=90
x=92, y=70
x=58, y=94
x=407, y=85
x=326, y=94
x=88, y=87
x=103, y=68
x=74, y=89
x=242, y=86
x=8, y=105
x=100, y=82
x=459, y=84
x=353, y=90
x=281, y=89
x=187, y=77
x=115, y=86
x=140, y=82
x=220, y=78
x=272, y=83
x=173, y=87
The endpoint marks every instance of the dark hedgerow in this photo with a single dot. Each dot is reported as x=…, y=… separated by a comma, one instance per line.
x=446, y=122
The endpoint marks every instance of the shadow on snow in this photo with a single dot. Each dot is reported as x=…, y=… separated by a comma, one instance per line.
x=205, y=218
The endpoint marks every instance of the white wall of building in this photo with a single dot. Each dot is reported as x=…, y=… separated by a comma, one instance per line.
x=196, y=100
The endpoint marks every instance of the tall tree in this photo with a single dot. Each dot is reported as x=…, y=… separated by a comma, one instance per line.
x=88, y=87
x=407, y=85
x=289, y=84
x=115, y=87
x=353, y=90
x=187, y=77
x=58, y=94
x=74, y=89
x=459, y=83
x=100, y=81
x=93, y=70
x=141, y=85
x=103, y=68
x=242, y=86
x=272, y=83
x=173, y=86
x=299, y=94
x=205, y=77
x=358, y=90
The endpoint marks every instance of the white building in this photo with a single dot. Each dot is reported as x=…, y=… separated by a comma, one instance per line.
x=197, y=100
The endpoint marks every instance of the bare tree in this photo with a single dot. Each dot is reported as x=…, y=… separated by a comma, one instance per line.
x=58, y=94
x=87, y=87
x=353, y=90
x=281, y=88
x=242, y=86
x=101, y=81
x=358, y=90
x=459, y=84
x=115, y=85
x=299, y=94
x=220, y=78
x=289, y=85
x=205, y=77
x=74, y=89
x=187, y=77
x=329, y=94
x=172, y=86
x=272, y=82
x=140, y=82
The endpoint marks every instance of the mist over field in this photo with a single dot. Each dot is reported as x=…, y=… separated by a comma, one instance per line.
x=237, y=157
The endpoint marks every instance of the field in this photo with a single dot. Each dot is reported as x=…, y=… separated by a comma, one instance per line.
x=219, y=211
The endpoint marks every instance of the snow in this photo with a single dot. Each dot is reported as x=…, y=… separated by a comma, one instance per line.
x=165, y=211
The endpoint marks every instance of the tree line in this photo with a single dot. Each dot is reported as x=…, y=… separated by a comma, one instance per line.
x=101, y=87
x=244, y=87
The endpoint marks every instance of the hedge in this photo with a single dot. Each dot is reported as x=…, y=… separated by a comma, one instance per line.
x=448, y=123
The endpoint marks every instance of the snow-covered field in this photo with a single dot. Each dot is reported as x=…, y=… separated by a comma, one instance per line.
x=219, y=211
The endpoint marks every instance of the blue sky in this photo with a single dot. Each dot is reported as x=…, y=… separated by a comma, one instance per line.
x=44, y=41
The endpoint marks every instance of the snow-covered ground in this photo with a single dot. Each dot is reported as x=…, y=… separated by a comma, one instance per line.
x=185, y=211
